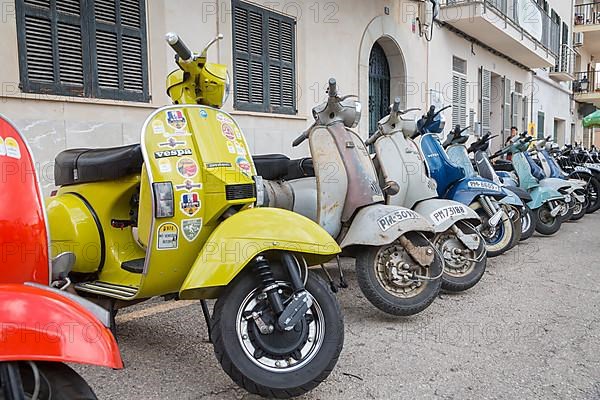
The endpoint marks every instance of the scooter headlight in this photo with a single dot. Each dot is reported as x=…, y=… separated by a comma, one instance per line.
x=163, y=199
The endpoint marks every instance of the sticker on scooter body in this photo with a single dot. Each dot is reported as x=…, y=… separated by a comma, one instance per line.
x=172, y=153
x=172, y=143
x=2, y=147
x=188, y=185
x=445, y=213
x=187, y=167
x=390, y=220
x=483, y=185
x=176, y=120
x=191, y=228
x=190, y=203
x=12, y=148
x=167, y=237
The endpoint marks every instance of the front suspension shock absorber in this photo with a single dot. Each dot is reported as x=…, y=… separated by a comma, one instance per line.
x=267, y=280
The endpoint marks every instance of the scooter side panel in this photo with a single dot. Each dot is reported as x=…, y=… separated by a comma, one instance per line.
x=305, y=196
x=541, y=195
x=41, y=325
x=511, y=198
x=240, y=238
x=332, y=181
x=442, y=214
x=379, y=224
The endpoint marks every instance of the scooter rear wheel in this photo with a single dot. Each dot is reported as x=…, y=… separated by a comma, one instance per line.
x=281, y=364
x=578, y=210
x=57, y=381
x=379, y=270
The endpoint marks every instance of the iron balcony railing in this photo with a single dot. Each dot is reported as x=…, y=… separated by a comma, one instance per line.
x=509, y=10
x=587, y=14
x=587, y=82
x=565, y=62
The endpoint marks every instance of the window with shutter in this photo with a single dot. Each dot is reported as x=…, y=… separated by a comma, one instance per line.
x=85, y=48
x=264, y=64
x=485, y=90
x=506, y=110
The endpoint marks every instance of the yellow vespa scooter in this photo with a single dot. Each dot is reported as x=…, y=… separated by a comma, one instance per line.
x=175, y=217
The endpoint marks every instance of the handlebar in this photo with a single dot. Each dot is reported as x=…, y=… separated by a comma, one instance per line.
x=298, y=141
x=182, y=51
x=332, y=88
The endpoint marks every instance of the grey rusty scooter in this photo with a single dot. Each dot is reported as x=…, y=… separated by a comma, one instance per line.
x=397, y=265
x=406, y=182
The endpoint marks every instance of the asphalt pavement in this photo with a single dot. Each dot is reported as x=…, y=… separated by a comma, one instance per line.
x=529, y=330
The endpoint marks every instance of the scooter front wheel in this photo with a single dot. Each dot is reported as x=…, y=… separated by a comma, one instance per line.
x=463, y=268
x=498, y=238
x=528, y=222
x=546, y=224
x=389, y=277
x=271, y=362
x=55, y=381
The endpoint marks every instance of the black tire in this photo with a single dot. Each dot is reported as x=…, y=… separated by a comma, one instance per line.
x=593, y=194
x=454, y=280
x=494, y=246
x=516, y=221
x=57, y=382
x=566, y=215
x=546, y=224
x=528, y=222
x=242, y=368
x=578, y=210
x=414, y=300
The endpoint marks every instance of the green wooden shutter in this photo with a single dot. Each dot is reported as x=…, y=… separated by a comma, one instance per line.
x=485, y=89
x=51, y=47
x=118, y=48
x=264, y=60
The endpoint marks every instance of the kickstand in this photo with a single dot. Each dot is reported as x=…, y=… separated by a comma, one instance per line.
x=207, y=318
x=343, y=283
x=113, y=322
x=332, y=286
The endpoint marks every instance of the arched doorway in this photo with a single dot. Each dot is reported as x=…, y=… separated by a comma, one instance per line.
x=379, y=86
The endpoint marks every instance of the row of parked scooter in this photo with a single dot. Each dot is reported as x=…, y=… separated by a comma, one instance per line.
x=190, y=214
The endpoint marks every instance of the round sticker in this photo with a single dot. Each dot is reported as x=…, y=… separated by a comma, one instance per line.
x=244, y=165
x=187, y=167
x=12, y=148
x=203, y=113
x=228, y=131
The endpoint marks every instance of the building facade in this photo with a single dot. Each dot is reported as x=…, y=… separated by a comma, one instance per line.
x=86, y=73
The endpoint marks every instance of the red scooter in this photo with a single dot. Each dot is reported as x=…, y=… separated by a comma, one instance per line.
x=42, y=326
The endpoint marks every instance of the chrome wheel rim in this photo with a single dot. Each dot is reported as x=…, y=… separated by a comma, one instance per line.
x=392, y=266
x=458, y=259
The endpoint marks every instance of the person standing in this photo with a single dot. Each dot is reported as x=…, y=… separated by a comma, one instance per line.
x=509, y=140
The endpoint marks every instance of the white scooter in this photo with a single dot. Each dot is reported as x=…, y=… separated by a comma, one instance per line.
x=398, y=267
x=403, y=175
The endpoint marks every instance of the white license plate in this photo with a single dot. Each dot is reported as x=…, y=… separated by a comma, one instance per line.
x=445, y=213
x=390, y=220
x=483, y=185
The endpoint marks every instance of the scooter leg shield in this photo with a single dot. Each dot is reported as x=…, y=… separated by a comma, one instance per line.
x=442, y=214
x=243, y=236
x=380, y=224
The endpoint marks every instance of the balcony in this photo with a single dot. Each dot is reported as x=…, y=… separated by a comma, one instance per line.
x=587, y=21
x=586, y=87
x=520, y=30
x=563, y=71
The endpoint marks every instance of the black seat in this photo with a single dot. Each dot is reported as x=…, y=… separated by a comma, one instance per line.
x=279, y=166
x=503, y=165
x=91, y=165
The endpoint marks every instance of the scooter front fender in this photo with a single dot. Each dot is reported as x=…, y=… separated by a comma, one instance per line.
x=511, y=199
x=468, y=190
x=381, y=224
x=541, y=195
x=442, y=214
x=44, y=324
x=243, y=236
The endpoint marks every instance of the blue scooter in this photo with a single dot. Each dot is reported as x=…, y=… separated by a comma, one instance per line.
x=481, y=195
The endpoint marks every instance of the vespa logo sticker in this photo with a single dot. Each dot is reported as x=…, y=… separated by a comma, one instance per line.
x=191, y=228
x=172, y=143
x=483, y=185
x=388, y=221
x=167, y=236
x=172, y=153
x=445, y=213
x=190, y=203
x=188, y=185
x=176, y=120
